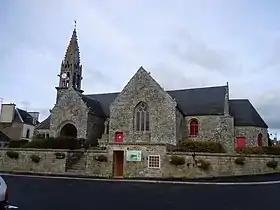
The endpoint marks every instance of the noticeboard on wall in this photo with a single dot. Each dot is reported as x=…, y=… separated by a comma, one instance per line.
x=133, y=155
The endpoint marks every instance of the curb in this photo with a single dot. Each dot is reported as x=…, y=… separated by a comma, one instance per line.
x=259, y=179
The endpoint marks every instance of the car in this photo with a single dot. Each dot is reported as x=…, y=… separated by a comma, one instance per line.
x=3, y=194
x=4, y=205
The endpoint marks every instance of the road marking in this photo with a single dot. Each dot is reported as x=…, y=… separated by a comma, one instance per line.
x=12, y=207
x=144, y=181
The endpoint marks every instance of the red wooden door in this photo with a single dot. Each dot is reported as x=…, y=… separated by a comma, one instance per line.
x=118, y=163
x=240, y=142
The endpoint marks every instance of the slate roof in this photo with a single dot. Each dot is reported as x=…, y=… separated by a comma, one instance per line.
x=192, y=102
x=245, y=114
x=94, y=105
x=4, y=137
x=45, y=124
x=25, y=116
x=201, y=101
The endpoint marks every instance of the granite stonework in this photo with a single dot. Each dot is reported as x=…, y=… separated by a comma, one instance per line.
x=48, y=164
x=138, y=169
x=162, y=110
x=95, y=128
x=220, y=165
x=97, y=168
x=251, y=133
x=70, y=108
x=215, y=128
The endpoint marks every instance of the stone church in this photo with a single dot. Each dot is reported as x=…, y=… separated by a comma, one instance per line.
x=144, y=113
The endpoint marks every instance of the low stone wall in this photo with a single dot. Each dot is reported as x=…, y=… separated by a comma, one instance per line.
x=220, y=165
x=48, y=162
x=95, y=167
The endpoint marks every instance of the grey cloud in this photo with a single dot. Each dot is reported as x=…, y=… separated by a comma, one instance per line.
x=268, y=105
x=195, y=51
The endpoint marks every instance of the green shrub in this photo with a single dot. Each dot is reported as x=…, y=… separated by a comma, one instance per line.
x=272, y=164
x=101, y=158
x=240, y=161
x=12, y=154
x=35, y=158
x=198, y=146
x=177, y=160
x=59, y=155
x=17, y=143
x=204, y=165
x=55, y=143
x=268, y=150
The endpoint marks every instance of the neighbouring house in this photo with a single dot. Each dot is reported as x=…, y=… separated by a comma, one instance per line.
x=16, y=123
x=4, y=139
x=144, y=113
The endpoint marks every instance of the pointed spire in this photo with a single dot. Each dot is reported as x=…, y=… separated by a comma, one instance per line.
x=73, y=53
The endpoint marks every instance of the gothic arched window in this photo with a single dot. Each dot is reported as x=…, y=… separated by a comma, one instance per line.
x=141, y=117
x=27, y=134
x=193, y=128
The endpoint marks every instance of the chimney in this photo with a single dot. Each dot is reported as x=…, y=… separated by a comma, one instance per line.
x=7, y=113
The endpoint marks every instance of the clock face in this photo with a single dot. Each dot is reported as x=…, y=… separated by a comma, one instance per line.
x=64, y=75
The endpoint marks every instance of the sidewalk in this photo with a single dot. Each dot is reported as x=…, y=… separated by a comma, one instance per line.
x=232, y=179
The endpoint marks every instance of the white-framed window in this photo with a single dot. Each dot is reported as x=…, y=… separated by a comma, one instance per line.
x=154, y=161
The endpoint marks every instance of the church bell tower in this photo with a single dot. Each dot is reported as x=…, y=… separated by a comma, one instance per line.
x=71, y=69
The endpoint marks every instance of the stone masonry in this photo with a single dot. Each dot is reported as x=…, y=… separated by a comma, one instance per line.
x=161, y=107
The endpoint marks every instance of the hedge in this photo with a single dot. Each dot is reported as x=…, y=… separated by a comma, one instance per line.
x=198, y=146
x=18, y=143
x=268, y=150
x=55, y=143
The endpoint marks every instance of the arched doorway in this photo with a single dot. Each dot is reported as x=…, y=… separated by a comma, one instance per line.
x=68, y=130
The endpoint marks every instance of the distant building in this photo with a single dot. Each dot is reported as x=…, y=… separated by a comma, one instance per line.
x=16, y=123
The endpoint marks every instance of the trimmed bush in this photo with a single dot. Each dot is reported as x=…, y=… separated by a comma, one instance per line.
x=204, y=165
x=101, y=158
x=240, y=161
x=55, y=143
x=59, y=155
x=198, y=146
x=272, y=164
x=17, y=143
x=12, y=154
x=177, y=160
x=35, y=158
x=268, y=150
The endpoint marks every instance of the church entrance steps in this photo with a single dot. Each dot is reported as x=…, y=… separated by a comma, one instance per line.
x=76, y=163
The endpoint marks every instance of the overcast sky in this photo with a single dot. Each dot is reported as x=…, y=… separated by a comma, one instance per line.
x=183, y=43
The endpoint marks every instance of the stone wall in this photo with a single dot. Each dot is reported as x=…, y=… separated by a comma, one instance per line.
x=220, y=165
x=70, y=108
x=48, y=163
x=98, y=168
x=215, y=128
x=162, y=111
x=95, y=128
x=251, y=133
x=138, y=169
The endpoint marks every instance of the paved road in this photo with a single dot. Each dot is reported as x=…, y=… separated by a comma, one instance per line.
x=62, y=194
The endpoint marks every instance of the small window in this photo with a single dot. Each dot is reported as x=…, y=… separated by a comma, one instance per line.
x=119, y=137
x=27, y=134
x=194, y=128
x=153, y=161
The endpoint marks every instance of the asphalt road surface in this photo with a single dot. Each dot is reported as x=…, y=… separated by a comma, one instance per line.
x=31, y=193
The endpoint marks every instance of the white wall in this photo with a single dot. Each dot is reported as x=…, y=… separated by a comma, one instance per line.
x=24, y=131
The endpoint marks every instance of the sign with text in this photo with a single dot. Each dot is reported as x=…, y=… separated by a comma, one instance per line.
x=133, y=155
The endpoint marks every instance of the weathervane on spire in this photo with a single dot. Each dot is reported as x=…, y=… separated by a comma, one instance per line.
x=75, y=24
